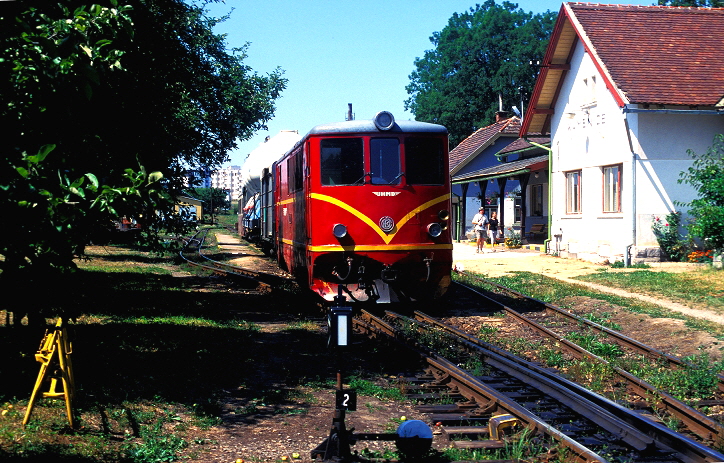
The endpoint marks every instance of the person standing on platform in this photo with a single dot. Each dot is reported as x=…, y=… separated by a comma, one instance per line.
x=480, y=221
x=493, y=229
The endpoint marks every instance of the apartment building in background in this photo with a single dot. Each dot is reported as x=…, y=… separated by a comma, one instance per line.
x=228, y=179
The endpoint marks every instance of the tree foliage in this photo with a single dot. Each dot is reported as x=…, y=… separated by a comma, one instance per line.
x=706, y=175
x=693, y=3
x=214, y=199
x=104, y=107
x=481, y=54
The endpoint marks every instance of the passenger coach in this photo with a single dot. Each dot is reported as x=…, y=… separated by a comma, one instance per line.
x=364, y=207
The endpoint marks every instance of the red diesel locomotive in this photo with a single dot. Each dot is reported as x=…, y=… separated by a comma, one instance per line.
x=362, y=208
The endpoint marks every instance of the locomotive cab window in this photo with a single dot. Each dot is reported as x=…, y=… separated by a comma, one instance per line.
x=295, y=177
x=385, y=161
x=342, y=161
x=424, y=161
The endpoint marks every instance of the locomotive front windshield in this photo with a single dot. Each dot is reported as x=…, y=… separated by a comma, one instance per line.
x=343, y=161
x=385, y=161
x=424, y=161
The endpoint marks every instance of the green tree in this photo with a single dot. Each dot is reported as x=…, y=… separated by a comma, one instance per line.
x=479, y=55
x=214, y=199
x=104, y=107
x=706, y=175
x=693, y=3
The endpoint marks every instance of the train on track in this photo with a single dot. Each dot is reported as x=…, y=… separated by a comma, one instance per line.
x=359, y=208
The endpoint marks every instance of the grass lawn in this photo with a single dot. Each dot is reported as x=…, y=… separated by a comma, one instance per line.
x=693, y=287
x=152, y=354
x=701, y=287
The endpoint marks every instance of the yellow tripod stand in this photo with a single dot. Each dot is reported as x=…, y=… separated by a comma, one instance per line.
x=54, y=357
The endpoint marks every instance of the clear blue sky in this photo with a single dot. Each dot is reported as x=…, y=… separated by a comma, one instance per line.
x=336, y=52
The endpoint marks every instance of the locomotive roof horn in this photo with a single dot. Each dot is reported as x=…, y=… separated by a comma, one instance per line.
x=384, y=120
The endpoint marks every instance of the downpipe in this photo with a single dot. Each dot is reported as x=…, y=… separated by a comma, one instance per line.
x=627, y=255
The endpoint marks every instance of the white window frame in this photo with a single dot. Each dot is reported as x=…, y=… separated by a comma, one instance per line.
x=611, y=194
x=573, y=192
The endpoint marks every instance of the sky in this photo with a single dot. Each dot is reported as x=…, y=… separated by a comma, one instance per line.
x=336, y=52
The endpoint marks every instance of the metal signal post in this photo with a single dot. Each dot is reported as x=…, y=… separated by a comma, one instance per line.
x=336, y=447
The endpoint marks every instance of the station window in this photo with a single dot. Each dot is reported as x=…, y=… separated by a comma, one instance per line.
x=612, y=188
x=424, y=161
x=342, y=161
x=536, y=200
x=385, y=161
x=573, y=192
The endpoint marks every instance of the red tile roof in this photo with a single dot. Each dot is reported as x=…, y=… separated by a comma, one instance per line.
x=656, y=54
x=482, y=138
x=646, y=54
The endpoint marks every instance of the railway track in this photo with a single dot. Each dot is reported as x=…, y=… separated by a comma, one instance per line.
x=631, y=435
x=692, y=420
x=623, y=341
x=258, y=281
x=588, y=426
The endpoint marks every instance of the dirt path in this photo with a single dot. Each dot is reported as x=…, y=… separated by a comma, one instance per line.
x=504, y=262
x=246, y=256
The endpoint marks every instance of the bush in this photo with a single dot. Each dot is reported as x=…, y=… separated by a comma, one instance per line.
x=670, y=241
x=512, y=238
x=706, y=175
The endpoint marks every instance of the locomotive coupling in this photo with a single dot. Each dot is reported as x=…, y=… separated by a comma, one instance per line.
x=349, y=270
x=388, y=275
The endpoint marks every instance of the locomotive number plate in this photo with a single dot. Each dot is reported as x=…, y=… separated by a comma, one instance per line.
x=387, y=224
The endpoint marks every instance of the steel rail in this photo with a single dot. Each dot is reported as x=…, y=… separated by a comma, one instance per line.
x=619, y=338
x=640, y=433
x=694, y=420
x=474, y=389
x=220, y=267
x=599, y=410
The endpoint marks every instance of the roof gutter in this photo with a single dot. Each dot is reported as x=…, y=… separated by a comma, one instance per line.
x=522, y=150
x=547, y=148
x=491, y=177
x=715, y=112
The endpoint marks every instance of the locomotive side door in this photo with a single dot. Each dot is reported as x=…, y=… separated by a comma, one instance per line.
x=297, y=219
x=279, y=214
x=308, y=217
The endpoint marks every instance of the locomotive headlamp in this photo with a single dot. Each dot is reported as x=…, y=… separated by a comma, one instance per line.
x=339, y=230
x=444, y=214
x=434, y=229
x=384, y=120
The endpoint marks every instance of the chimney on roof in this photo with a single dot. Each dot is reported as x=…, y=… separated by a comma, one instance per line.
x=501, y=116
